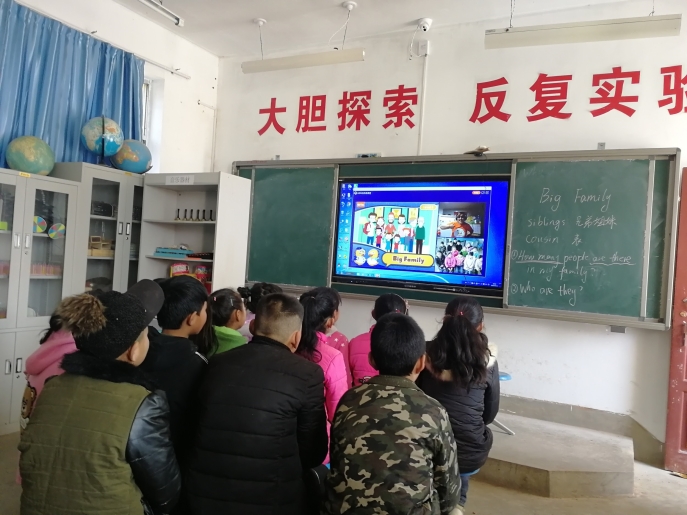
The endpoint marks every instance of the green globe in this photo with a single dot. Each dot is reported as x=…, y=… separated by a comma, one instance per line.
x=133, y=157
x=31, y=155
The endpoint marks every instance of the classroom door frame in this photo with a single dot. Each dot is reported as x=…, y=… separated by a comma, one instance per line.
x=676, y=425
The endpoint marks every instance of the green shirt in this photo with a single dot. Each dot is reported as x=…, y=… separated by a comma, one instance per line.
x=420, y=233
x=228, y=339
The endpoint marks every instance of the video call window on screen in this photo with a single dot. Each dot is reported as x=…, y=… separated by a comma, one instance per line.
x=441, y=236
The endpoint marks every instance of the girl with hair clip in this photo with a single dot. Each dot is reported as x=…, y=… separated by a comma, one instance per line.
x=251, y=297
x=228, y=316
x=464, y=377
x=320, y=313
x=359, y=348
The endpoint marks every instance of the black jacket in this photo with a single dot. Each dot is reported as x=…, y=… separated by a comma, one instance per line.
x=176, y=368
x=149, y=449
x=262, y=424
x=470, y=412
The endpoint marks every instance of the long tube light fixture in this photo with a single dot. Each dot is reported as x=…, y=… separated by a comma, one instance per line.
x=304, y=61
x=162, y=10
x=582, y=32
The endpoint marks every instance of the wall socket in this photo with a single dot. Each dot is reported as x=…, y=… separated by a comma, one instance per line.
x=601, y=146
x=423, y=48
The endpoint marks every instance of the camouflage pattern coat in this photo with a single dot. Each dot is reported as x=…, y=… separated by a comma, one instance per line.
x=392, y=453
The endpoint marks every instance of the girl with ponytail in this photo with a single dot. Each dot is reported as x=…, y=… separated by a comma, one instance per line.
x=359, y=348
x=320, y=313
x=251, y=297
x=462, y=375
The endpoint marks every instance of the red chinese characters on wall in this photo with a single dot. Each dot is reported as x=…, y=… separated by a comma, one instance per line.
x=614, y=91
x=490, y=100
x=611, y=88
x=355, y=108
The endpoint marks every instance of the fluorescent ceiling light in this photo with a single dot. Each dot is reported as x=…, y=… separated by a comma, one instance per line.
x=600, y=30
x=161, y=9
x=303, y=61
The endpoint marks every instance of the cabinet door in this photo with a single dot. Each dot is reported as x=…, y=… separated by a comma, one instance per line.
x=108, y=215
x=47, y=250
x=26, y=343
x=6, y=377
x=12, y=191
x=132, y=233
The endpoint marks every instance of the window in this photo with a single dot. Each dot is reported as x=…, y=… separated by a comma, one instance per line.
x=146, y=110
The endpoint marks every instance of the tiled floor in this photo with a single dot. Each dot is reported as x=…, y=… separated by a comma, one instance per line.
x=656, y=493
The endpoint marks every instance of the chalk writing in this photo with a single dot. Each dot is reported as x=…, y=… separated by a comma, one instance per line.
x=548, y=197
x=597, y=221
x=603, y=198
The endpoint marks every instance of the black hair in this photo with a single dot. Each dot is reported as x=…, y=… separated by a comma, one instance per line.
x=372, y=214
x=223, y=304
x=396, y=345
x=278, y=316
x=319, y=305
x=251, y=296
x=184, y=295
x=458, y=346
x=54, y=326
x=389, y=303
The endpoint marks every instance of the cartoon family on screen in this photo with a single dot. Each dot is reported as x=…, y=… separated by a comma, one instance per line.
x=444, y=236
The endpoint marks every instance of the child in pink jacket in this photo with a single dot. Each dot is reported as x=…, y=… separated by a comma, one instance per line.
x=43, y=364
x=338, y=341
x=320, y=312
x=359, y=347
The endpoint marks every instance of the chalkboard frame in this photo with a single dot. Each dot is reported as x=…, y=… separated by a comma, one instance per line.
x=671, y=154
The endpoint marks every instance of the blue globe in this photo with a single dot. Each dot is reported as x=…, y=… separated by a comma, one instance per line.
x=133, y=157
x=92, y=136
x=31, y=155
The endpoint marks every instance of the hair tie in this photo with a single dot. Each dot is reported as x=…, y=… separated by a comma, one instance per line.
x=214, y=299
x=461, y=314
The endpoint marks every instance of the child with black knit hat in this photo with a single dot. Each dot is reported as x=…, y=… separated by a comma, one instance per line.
x=98, y=440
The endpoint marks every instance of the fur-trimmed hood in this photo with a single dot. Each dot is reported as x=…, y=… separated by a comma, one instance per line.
x=83, y=364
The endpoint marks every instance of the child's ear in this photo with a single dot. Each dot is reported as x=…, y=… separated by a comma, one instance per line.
x=371, y=360
x=329, y=323
x=251, y=327
x=420, y=364
x=373, y=314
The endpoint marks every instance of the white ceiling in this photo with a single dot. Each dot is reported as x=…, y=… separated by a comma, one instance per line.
x=225, y=27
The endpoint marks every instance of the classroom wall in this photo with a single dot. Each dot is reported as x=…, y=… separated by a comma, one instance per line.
x=572, y=363
x=182, y=138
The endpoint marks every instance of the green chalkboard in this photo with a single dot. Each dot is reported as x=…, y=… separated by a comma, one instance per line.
x=291, y=225
x=578, y=236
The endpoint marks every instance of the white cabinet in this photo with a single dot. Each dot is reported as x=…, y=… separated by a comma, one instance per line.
x=37, y=216
x=110, y=208
x=37, y=219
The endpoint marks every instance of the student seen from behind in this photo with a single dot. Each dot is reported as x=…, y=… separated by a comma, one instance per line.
x=359, y=348
x=262, y=421
x=392, y=448
x=228, y=317
x=320, y=312
x=464, y=378
x=99, y=440
x=251, y=298
x=174, y=361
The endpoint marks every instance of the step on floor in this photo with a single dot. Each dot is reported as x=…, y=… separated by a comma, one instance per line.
x=555, y=460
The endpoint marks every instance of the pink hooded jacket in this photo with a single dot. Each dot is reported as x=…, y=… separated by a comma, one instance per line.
x=339, y=342
x=358, y=356
x=335, y=378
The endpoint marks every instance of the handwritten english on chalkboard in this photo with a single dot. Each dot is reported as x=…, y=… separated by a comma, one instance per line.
x=577, y=239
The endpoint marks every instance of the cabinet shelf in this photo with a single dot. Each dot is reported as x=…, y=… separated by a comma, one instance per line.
x=5, y=232
x=98, y=217
x=98, y=258
x=181, y=259
x=45, y=277
x=178, y=222
x=40, y=234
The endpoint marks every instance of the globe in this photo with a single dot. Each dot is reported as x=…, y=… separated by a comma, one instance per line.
x=92, y=136
x=31, y=155
x=133, y=157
